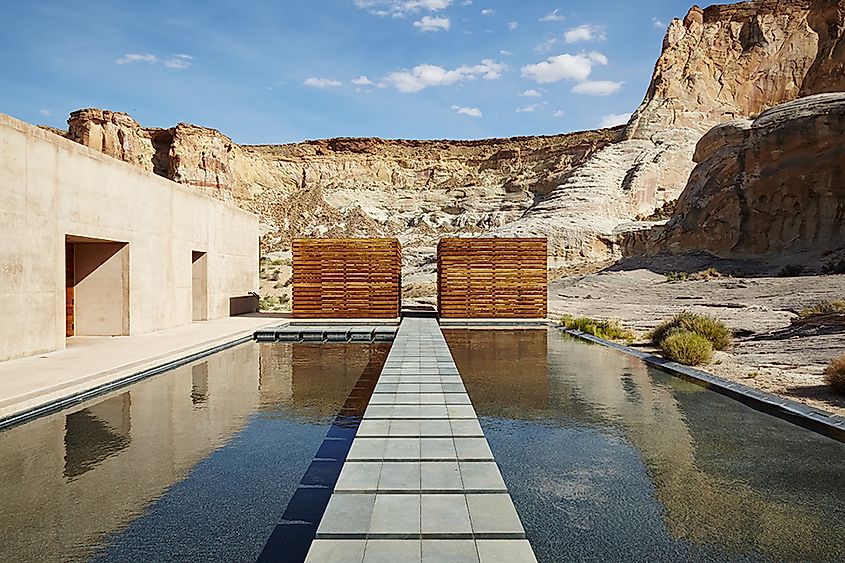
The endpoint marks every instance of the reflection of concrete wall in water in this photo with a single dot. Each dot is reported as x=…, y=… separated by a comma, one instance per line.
x=505, y=369
x=313, y=380
x=701, y=506
x=68, y=478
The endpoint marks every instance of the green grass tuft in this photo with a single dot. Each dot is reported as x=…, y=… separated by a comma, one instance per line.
x=710, y=328
x=687, y=348
x=607, y=329
x=834, y=375
x=823, y=308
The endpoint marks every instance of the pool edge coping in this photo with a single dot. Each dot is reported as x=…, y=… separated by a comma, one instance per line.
x=59, y=403
x=816, y=420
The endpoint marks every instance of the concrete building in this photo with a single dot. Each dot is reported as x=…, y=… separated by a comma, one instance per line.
x=91, y=246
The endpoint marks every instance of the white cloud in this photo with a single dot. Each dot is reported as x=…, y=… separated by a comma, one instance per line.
x=178, y=61
x=563, y=67
x=553, y=17
x=505, y=53
x=546, y=45
x=136, y=58
x=658, y=23
x=428, y=23
x=614, y=119
x=530, y=94
x=584, y=32
x=424, y=76
x=558, y=113
x=466, y=3
x=513, y=26
x=530, y=108
x=401, y=8
x=487, y=12
x=597, y=87
x=472, y=112
x=322, y=83
x=362, y=81
x=45, y=112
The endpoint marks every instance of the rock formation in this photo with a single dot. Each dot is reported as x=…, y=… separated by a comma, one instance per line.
x=718, y=64
x=771, y=187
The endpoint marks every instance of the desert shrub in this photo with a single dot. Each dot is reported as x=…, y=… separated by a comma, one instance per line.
x=610, y=330
x=687, y=348
x=274, y=275
x=834, y=267
x=676, y=276
x=823, y=308
x=281, y=262
x=834, y=375
x=709, y=273
x=791, y=271
x=710, y=328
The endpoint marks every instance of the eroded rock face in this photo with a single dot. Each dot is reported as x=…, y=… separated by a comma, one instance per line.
x=767, y=187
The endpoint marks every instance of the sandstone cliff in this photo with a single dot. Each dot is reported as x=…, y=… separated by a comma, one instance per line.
x=718, y=64
x=767, y=189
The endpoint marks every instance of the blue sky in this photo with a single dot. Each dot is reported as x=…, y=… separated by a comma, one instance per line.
x=286, y=71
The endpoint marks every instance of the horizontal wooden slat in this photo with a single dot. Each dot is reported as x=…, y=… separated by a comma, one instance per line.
x=492, y=278
x=346, y=278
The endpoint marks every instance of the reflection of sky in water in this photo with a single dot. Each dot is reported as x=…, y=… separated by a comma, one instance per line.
x=607, y=459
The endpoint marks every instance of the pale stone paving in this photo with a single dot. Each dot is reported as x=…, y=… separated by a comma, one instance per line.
x=420, y=482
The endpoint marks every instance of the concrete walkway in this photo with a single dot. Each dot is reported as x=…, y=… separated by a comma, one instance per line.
x=420, y=482
x=89, y=362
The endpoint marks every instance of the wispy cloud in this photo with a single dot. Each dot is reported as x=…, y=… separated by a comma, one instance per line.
x=614, y=119
x=178, y=61
x=553, y=17
x=563, y=67
x=547, y=45
x=426, y=75
x=513, y=26
x=472, y=112
x=597, y=87
x=487, y=12
x=362, y=81
x=586, y=32
x=558, y=113
x=658, y=23
x=401, y=8
x=136, y=58
x=530, y=108
x=428, y=23
x=505, y=53
x=322, y=83
x=45, y=112
x=530, y=94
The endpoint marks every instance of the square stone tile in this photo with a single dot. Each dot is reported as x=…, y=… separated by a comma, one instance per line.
x=460, y=411
x=472, y=449
x=433, y=411
x=493, y=514
x=453, y=387
x=383, y=399
x=437, y=448
x=449, y=551
x=435, y=428
x=431, y=388
x=432, y=399
x=386, y=388
x=336, y=551
x=466, y=428
x=373, y=428
x=445, y=514
x=378, y=411
x=457, y=399
x=399, y=476
x=402, y=449
x=482, y=476
x=404, y=428
x=408, y=399
x=437, y=476
x=504, y=551
x=355, y=476
x=408, y=388
x=367, y=448
x=396, y=515
x=392, y=551
x=347, y=515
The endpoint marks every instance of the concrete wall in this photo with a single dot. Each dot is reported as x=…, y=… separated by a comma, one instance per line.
x=51, y=188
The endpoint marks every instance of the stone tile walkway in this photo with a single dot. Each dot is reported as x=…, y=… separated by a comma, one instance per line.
x=420, y=482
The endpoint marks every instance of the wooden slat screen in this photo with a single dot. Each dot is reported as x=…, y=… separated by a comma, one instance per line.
x=492, y=278
x=346, y=278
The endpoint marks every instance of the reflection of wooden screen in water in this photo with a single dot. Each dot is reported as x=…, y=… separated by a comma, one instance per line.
x=508, y=368
x=96, y=433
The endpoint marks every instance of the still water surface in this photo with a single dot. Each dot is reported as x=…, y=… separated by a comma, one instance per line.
x=195, y=464
x=610, y=460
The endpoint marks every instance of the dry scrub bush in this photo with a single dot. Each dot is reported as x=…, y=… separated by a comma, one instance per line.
x=687, y=348
x=610, y=330
x=835, y=374
x=710, y=328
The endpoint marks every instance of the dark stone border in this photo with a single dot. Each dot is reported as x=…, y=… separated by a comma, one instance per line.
x=322, y=333
x=82, y=396
x=821, y=422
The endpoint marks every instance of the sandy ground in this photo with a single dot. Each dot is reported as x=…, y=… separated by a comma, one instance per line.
x=770, y=353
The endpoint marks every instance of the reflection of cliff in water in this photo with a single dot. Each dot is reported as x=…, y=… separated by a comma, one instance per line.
x=70, y=479
x=739, y=478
